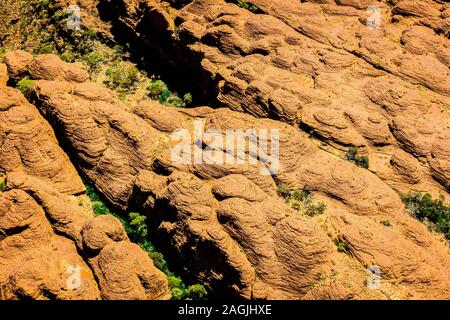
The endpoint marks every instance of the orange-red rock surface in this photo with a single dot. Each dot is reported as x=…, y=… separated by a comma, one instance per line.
x=51, y=245
x=314, y=71
x=225, y=223
x=317, y=65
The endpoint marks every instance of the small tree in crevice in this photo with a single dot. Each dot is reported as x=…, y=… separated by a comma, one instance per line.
x=3, y=186
x=248, y=6
x=283, y=191
x=158, y=90
x=433, y=212
x=360, y=161
x=301, y=200
x=25, y=85
x=138, y=226
x=121, y=77
x=92, y=59
x=342, y=245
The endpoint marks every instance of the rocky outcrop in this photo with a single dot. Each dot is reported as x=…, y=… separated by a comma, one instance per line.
x=45, y=66
x=35, y=262
x=16, y=63
x=373, y=75
x=222, y=220
x=305, y=79
x=47, y=227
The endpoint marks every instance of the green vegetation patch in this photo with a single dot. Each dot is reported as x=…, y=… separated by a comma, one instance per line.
x=25, y=85
x=3, y=186
x=284, y=191
x=249, y=6
x=2, y=54
x=158, y=90
x=435, y=213
x=301, y=200
x=42, y=28
x=342, y=245
x=122, y=77
x=92, y=59
x=360, y=161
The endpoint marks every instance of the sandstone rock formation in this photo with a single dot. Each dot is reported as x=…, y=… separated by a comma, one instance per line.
x=325, y=66
x=51, y=245
x=322, y=75
x=224, y=222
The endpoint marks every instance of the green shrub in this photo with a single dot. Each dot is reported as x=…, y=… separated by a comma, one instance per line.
x=67, y=56
x=40, y=3
x=187, y=98
x=181, y=292
x=118, y=49
x=342, y=246
x=174, y=281
x=83, y=42
x=301, y=200
x=99, y=207
x=2, y=54
x=93, y=60
x=175, y=101
x=248, y=6
x=308, y=207
x=177, y=293
x=158, y=90
x=301, y=194
x=25, y=85
x=89, y=33
x=361, y=161
x=386, y=223
x=314, y=209
x=138, y=226
x=45, y=48
x=118, y=52
x=3, y=187
x=91, y=193
x=435, y=212
x=158, y=260
x=122, y=77
x=196, y=292
x=58, y=15
x=284, y=191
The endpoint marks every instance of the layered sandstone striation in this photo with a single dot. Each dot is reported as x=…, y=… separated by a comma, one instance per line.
x=223, y=221
x=51, y=244
x=330, y=67
x=325, y=75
